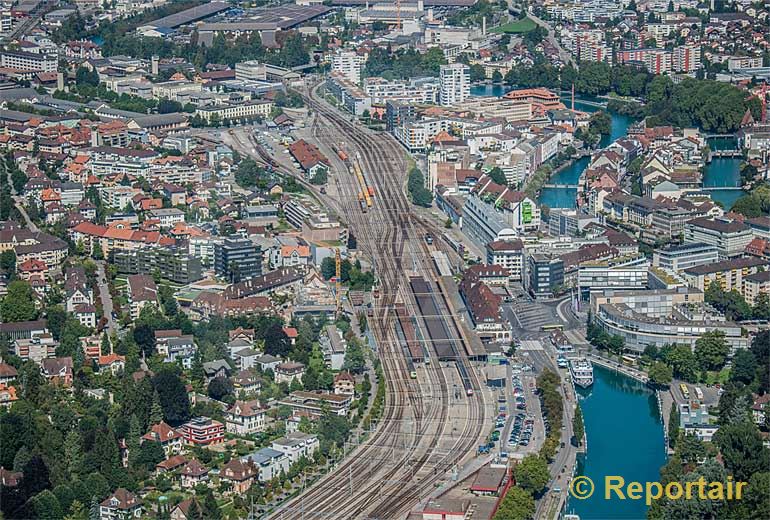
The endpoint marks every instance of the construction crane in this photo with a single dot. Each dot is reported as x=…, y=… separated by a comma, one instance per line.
x=338, y=279
x=763, y=97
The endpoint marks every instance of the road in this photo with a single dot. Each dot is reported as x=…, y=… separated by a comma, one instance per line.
x=105, y=296
x=565, y=56
x=18, y=201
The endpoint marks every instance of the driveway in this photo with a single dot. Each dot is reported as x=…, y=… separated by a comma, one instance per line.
x=105, y=296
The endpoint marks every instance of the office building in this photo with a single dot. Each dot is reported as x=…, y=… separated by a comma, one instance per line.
x=660, y=317
x=28, y=61
x=237, y=259
x=730, y=237
x=508, y=254
x=678, y=258
x=625, y=272
x=544, y=274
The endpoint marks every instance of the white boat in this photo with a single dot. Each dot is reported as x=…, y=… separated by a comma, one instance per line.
x=582, y=372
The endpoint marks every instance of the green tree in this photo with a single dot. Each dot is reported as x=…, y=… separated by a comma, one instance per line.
x=220, y=387
x=673, y=426
x=681, y=359
x=209, y=507
x=578, y=428
x=19, y=303
x=660, y=374
x=742, y=450
x=77, y=511
x=532, y=474
x=73, y=452
x=46, y=506
x=172, y=394
x=711, y=350
x=497, y=175
x=517, y=504
x=328, y=268
x=744, y=367
x=761, y=310
x=600, y=123
x=8, y=261
x=354, y=362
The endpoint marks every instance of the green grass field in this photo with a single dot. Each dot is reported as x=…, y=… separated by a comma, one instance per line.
x=516, y=26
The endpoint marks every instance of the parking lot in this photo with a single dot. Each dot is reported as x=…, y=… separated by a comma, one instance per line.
x=519, y=428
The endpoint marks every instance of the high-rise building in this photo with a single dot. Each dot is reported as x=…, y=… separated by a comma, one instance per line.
x=686, y=58
x=455, y=83
x=237, y=259
x=349, y=64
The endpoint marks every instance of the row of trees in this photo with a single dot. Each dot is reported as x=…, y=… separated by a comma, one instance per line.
x=421, y=196
x=404, y=63
x=682, y=362
x=735, y=307
x=707, y=104
x=754, y=204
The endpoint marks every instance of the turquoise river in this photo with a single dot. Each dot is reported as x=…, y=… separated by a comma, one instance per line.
x=624, y=434
x=720, y=173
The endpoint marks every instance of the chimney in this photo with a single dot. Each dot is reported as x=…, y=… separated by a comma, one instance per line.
x=484, y=26
x=155, y=65
x=60, y=81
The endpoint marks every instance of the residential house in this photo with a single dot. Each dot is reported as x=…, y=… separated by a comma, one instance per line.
x=7, y=373
x=171, y=464
x=267, y=362
x=240, y=475
x=122, y=504
x=57, y=371
x=7, y=395
x=142, y=291
x=247, y=382
x=288, y=372
x=114, y=363
x=344, y=384
x=245, y=417
x=203, y=431
x=216, y=368
x=268, y=462
x=85, y=313
x=246, y=358
x=175, y=347
x=296, y=445
x=170, y=440
x=193, y=473
x=315, y=402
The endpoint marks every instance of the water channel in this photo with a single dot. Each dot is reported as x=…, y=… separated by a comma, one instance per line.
x=624, y=437
x=721, y=172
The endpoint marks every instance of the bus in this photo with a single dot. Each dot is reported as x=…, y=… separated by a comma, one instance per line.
x=699, y=393
x=553, y=326
x=684, y=390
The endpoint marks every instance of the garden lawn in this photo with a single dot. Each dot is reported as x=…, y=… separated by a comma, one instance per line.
x=516, y=27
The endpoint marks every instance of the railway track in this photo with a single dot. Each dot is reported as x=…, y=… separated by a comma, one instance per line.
x=387, y=484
